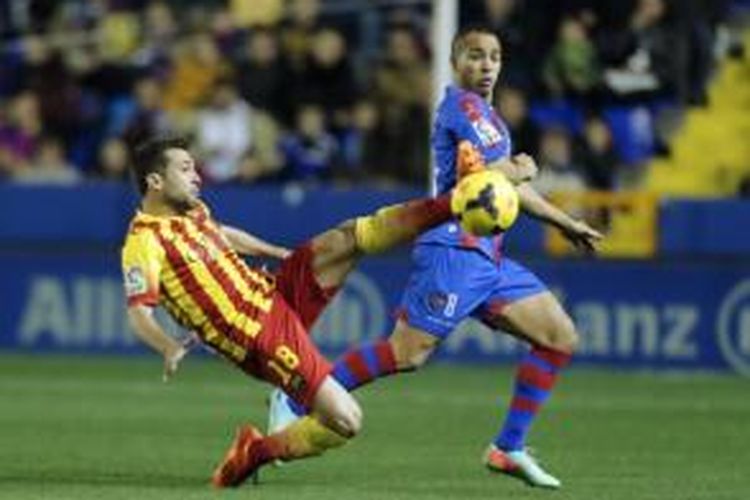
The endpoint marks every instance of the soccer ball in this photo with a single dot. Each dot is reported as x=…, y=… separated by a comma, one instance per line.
x=485, y=203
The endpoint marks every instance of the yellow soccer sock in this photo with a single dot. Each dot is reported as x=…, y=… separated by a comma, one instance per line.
x=398, y=224
x=303, y=438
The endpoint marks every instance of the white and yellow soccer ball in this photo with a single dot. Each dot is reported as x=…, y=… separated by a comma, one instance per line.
x=485, y=203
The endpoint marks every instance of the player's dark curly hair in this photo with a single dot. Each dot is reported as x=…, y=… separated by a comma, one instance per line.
x=457, y=44
x=149, y=157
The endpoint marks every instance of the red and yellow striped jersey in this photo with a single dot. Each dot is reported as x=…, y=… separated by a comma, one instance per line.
x=186, y=264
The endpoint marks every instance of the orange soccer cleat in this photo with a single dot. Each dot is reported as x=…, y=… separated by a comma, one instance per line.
x=468, y=160
x=242, y=460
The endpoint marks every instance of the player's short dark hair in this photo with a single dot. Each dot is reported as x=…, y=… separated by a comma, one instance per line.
x=457, y=44
x=149, y=157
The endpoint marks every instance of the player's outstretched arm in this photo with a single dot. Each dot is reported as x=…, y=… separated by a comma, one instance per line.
x=144, y=324
x=518, y=169
x=247, y=244
x=577, y=231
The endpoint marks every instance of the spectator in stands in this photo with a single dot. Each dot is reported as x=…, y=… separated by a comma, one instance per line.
x=107, y=69
x=402, y=80
x=645, y=58
x=253, y=170
x=362, y=144
x=402, y=90
x=298, y=31
x=257, y=13
x=143, y=116
x=698, y=22
x=327, y=78
x=198, y=65
x=597, y=155
x=19, y=135
x=11, y=67
x=513, y=107
x=557, y=172
x=55, y=86
x=113, y=159
x=224, y=30
x=266, y=135
x=223, y=132
x=7, y=157
x=310, y=151
x=159, y=35
x=571, y=69
x=261, y=73
x=49, y=166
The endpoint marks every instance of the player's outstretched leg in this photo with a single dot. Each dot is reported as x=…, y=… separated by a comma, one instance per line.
x=399, y=224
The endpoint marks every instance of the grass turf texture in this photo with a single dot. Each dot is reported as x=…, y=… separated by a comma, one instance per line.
x=78, y=428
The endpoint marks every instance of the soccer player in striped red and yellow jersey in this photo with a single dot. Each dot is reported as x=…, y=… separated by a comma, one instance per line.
x=177, y=256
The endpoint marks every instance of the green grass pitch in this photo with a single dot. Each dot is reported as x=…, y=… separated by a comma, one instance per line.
x=107, y=428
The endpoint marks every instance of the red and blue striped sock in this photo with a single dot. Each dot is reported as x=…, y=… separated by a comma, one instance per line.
x=360, y=366
x=535, y=378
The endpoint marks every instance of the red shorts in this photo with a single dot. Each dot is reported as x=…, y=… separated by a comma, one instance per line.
x=283, y=352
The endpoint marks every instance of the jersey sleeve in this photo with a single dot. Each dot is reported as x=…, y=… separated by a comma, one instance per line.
x=142, y=261
x=470, y=120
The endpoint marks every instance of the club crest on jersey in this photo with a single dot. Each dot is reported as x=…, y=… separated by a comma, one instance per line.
x=135, y=281
x=487, y=132
x=436, y=301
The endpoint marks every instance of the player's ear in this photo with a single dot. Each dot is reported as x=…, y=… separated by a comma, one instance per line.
x=154, y=181
x=455, y=54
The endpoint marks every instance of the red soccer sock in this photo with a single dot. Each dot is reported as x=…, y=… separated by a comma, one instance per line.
x=362, y=365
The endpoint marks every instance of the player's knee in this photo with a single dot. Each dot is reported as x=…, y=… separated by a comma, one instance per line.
x=573, y=341
x=355, y=420
x=412, y=360
x=410, y=355
x=562, y=336
x=348, y=420
x=568, y=337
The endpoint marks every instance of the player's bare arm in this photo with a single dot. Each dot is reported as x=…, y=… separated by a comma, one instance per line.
x=577, y=231
x=247, y=244
x=147, y=329
x=518, y=169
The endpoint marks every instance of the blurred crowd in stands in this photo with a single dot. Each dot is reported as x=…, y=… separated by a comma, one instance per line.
x=334, y=90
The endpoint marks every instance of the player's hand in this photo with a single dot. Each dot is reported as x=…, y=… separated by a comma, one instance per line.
x=525, y=168
x=174, y=356
x=582, y=236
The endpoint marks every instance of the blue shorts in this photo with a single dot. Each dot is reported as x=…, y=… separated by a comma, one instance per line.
x=449, y=284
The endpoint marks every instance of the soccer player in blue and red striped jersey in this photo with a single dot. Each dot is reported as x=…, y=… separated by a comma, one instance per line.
x=178, y=256
x=457, y=275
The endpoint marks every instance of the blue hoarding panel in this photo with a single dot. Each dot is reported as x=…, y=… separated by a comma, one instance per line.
x=705, y=227
x=657, y=315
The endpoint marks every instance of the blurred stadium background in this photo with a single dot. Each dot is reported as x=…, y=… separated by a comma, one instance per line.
x=306, y=112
